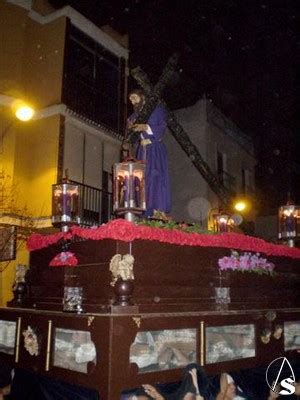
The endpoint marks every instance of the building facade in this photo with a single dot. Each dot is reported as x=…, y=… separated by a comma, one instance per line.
x=74, y=75
x=228, y=152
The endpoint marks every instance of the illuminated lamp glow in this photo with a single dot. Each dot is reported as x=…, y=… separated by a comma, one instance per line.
x=240, y=206
x=24, y=113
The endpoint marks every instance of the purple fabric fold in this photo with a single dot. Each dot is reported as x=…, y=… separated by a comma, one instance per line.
x=158, y=193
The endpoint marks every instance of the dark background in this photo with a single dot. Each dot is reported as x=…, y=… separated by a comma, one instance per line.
x=242, y=54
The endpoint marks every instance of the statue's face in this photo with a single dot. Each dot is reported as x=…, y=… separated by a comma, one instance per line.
x=135, y=98
x=137, y=101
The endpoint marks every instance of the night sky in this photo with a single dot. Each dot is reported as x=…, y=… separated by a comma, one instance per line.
x=240, y=53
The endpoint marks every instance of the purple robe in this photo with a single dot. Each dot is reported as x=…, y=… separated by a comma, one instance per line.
x=157, y=182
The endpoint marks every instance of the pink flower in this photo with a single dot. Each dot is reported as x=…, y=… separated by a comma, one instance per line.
x=246, y=262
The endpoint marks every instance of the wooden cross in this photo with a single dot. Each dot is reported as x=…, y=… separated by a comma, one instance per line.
x=153, y=98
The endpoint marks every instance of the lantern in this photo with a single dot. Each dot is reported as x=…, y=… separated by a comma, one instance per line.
x=129, y=189
x=222, y=223
x=289, y=223
x=65, y=205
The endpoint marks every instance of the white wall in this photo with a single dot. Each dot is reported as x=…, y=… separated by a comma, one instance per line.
x=266, y=227
x=88, y=151
x=189, y=189
x=192, y=197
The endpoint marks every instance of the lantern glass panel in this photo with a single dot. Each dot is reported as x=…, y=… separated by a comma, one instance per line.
x=222, y=223
x=65, y=204
x=129, y=187
x=288, y=222
x=72, y=300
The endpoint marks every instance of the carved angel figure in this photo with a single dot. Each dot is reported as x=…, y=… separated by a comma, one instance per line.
x=20, y=274
x=121, y=267
x=31, y=341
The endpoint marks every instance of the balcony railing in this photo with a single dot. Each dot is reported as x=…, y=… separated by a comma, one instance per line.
x=96, y=205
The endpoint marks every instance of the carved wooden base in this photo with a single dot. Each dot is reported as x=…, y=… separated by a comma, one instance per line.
x=123, y=291
x=115, y=309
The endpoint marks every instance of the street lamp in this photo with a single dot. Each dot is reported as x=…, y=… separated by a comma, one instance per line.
x=240, y=206
x=24, y=113
x=22, y=110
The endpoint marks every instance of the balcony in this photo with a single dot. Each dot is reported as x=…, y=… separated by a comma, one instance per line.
x=96, y=205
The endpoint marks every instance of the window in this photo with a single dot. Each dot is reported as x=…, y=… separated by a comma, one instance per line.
x=92, y=83
x=163, y=350
x=220, y=166
x=73, y=350
x=231, y=342
x=246, y=181
x=7, y=336
x=291, y=335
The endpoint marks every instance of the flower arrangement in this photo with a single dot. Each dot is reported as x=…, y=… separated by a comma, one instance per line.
x=120, y=229
x=64, y=258
x=121, y=267
x=246, y=262
x=159, y=222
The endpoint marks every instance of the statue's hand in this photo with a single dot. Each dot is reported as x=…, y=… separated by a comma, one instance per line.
x=133, y=137
x=139, y=127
